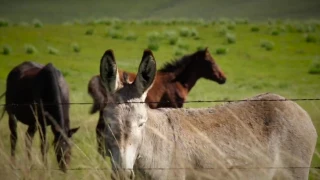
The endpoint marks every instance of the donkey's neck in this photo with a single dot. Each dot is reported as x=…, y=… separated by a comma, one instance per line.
x=159, y=133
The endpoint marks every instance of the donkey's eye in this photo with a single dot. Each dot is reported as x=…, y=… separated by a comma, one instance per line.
x=141, y=124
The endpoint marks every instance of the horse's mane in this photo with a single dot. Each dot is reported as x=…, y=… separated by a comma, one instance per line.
x=176, y=64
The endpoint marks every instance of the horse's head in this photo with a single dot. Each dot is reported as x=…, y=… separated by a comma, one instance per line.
x=126, y=112
x=209, y=68
x=62, y=145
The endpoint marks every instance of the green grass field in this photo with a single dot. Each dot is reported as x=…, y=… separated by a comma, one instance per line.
x=274, y=56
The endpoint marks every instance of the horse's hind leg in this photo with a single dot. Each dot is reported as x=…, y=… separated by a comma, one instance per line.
x=44, y=143
x=29, y=137
x=13, y=135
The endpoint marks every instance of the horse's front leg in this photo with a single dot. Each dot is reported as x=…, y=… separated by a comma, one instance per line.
x=13, y=135
x=29, y=138
x=44, y=143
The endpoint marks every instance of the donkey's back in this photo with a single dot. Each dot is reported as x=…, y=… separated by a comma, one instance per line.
x=266, y=136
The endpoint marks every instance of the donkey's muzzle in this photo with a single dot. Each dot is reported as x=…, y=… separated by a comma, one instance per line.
x=124, y=175
x=129, y=174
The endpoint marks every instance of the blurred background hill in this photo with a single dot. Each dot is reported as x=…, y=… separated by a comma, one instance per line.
x=57, y=11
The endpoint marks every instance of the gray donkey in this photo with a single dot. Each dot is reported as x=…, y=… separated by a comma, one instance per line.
x=266, y=137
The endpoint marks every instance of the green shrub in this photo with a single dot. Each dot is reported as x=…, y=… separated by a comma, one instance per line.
x=153, y=45
x=114, y=33
x=221, y=51
x=182, y=45
x=223, y=20
x=4, y=23
x=255, y=29
x=223, y=30
x=30, y=49
x=154, y=36
x=200, y=47
x=199, y=21
x=206, y=24
x=133, y=22
x=117, y=26
x=67, y=23
x=231, y=25
x=184, y=32
x=6, y=50
x=212, y=22
x=37, y=23
x=52, y=50
x=194, y=33
x=310, y=38
x=171, y=36
x=103, y=21
x=77, y=22
x=89, y=32
x=131, y=36
x=179, y=52
x=315, y=66
x=24, y=24
x=76, y=48
x=173, y=40
x=268, y=45
x=274, y=32
x=241, y=21
x=169, y=33
x=231, y=38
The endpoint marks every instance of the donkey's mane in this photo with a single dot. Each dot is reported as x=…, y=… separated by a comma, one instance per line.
x=177, y=64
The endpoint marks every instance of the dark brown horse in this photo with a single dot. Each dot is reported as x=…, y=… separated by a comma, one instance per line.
x=38, y=96
x=173, y=83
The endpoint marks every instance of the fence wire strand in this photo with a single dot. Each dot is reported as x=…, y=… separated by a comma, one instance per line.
x=230, y=168
x=192, y=101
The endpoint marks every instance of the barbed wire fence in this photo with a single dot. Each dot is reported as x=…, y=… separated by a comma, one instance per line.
x=184, y=102
x=203, y=168
x=168, y=102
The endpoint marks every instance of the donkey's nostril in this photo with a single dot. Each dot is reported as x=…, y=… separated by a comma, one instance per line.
x=131, y=174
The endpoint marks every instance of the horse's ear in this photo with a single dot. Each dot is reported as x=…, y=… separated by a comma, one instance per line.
x=72, y=131
x=109, y=71
x=146, y=73
x=206, y=49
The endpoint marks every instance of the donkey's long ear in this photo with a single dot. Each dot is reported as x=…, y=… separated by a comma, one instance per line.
x=146, y=73
x=109, y=71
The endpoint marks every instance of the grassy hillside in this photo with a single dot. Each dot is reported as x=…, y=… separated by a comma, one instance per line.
x=278, y=57
x=65, y=10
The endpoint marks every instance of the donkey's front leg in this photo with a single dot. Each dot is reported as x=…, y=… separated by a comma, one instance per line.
x=44, y=143
x=29, y=138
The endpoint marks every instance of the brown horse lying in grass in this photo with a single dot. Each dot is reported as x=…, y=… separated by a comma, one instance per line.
x=39, y=92
x=172, y=84
x=266, y=137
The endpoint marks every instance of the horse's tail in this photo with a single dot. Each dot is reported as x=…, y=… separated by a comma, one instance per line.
x=95, y=90
x=4, y=107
